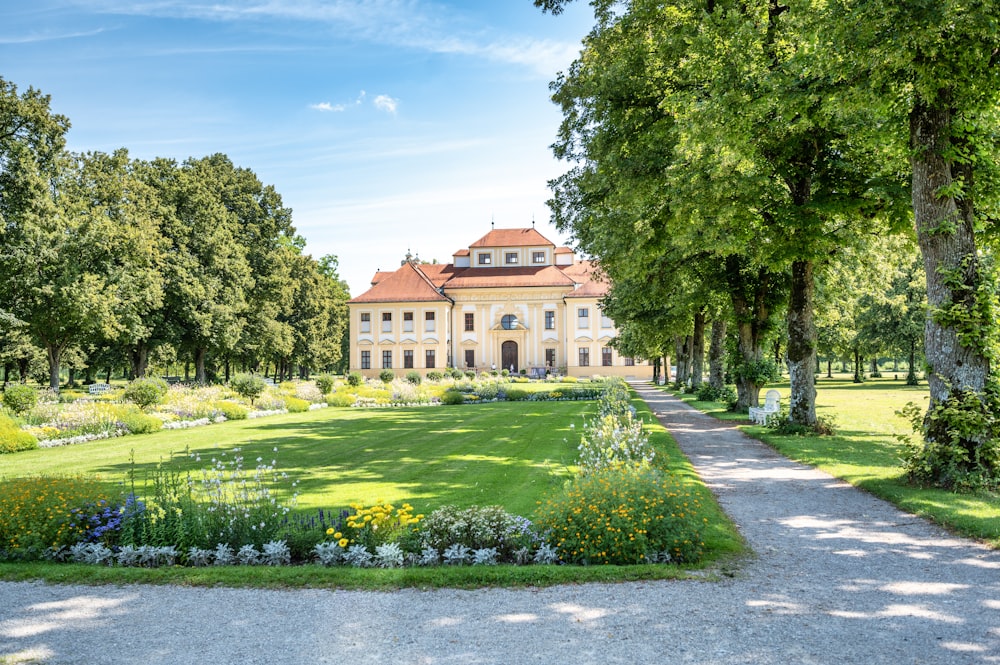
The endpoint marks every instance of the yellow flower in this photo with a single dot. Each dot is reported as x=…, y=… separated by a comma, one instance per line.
x=337, y=535
x=329, y=532
x=342, y=542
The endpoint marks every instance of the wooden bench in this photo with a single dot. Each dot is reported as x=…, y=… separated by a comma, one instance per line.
x=98, y=388
x=772, y=401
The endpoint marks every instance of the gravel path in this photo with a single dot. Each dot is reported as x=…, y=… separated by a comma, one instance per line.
x=840, y=577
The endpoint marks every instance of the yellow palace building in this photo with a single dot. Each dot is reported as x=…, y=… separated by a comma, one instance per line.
x=511, y=300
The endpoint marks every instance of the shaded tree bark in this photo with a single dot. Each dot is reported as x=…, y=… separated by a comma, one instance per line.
x=717, y=354
x=802, y=346
x=698, y=348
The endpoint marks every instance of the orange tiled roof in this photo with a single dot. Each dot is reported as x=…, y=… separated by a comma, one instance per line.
x=563, y=250
x=408, y=284
x=484, y=278
x=512, y=238
x=461, y=252
x=588, y=276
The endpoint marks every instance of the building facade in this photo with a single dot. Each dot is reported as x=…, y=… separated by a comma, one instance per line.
x=511, y=300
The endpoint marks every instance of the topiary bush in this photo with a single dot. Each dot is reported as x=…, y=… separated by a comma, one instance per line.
x=248, y=386
x=146, y=392
x=434, y=375
x=20, y=398
x=296, y=405
x=137, y=422
x=386, y=376
x=623, y=515
x=452, y=397
x=457, y=374
x=13, y=439
x=354, y=379
x=342, y=399
x=231, y=410
x=325, y=383
x=413, y=377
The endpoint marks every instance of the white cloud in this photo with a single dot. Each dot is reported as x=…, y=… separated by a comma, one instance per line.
x=327, y=106
x=386, y=103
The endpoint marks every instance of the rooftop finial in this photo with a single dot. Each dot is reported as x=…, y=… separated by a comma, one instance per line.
x=532, y=220
x=491, y=222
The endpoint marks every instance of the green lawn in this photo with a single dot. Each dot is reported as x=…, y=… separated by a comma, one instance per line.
x=865, y=452
x=502, y=453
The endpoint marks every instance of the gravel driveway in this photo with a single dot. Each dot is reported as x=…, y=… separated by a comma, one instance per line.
x=839, y=577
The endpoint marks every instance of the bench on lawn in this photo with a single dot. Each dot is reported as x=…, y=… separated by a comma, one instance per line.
x=98, y=388
x=772, y=400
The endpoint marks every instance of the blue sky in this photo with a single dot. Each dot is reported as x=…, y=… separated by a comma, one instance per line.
x=386, y=125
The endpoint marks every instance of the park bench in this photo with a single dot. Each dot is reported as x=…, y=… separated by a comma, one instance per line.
x=98, y=388
x=759, y=414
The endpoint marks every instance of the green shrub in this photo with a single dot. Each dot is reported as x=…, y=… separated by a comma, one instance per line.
x=413, y=377
x=386, y=376
x=623, y=515
x=475, y=527
x=20, y=398
x=568, y=379
x=231, y=410
x=137, y=422
x=452, y=397
x=517, y=394
x=505, y=373
x=457, y=374
x=341, y=399
x=325, y=383
x=144, y=393
x=296, y=405
x=13, y=439
x=434, y=375
x=248, y=386
x=354, y=379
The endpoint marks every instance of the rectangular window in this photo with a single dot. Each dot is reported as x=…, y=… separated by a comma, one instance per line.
x=511, y=258
x=606, y=322
x=550, y=357
x=630, y=362
x=387, y=360
x=407, y=321
x=606, y=356
x=366, y=322
x=429, y=322
x=583, y=317
x=584, y=357
x=366, y=360
x=470, y=322
x=387, y=322
x=407, y=358
x=470, y=357
x=538, y=257
x=429, y=358
x=485, y=259
x=550, y=320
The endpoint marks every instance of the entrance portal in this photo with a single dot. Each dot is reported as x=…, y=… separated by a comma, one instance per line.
x=508, y=354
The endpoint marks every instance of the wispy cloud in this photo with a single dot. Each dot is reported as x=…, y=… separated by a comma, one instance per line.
x=414, y=24
x=386, y=103
x=48, y=37
x=339, y=108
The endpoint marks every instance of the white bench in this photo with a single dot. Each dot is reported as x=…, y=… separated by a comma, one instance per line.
x=98, y=388
x=759, y=414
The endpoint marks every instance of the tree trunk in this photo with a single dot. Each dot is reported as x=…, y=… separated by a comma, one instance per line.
x=859, y=368
x=199, y=366
x=829, y=368
x=751, y=314
x=187, y=371
x=107, y=374
x=911, y=374
x=53, y=353
x=139, y=355
x=717, y=355
x=698, y=349
x=656, y=371
x=667, y=374
x=946, y=236
x=802, y=346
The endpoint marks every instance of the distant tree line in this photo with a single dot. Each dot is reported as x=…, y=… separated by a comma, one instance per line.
x=112, y=262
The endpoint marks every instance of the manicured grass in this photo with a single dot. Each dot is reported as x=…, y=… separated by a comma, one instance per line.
x=502, y=453
x=508, y=454
x=864, y=451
